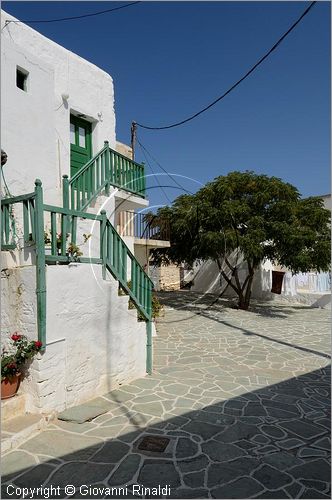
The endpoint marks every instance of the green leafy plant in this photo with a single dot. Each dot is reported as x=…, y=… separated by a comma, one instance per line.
x=47, y=239
x=248, y=217
x=19, y=351
x=74, y=250
x=157, y=308
x=122, y=292
x=59, y=240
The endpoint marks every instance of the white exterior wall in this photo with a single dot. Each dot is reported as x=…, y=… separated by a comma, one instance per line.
x=207, y=280
x=94, y=342
x=35, y=124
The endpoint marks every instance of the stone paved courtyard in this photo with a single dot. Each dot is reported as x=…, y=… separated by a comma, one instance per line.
x=242, y=398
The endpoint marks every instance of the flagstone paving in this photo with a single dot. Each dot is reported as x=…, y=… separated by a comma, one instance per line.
x=242, y=397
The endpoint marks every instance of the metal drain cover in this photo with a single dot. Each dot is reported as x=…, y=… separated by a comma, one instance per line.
x=154, y=443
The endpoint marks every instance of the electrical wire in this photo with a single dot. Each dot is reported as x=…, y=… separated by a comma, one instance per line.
x=235, y=265
x=162, y=168
x=154, y=174
x=73, y=17
x=235, y=84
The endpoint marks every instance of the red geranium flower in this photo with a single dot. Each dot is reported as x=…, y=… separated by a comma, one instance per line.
x=38, y=344
x=12, y=365
x=16, y=337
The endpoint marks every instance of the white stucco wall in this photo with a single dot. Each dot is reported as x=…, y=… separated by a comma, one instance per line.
x=327, y=201
x=35, y=124
x=18, y=301
x=94, y=342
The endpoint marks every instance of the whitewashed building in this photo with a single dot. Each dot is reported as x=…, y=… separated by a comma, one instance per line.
x=57, y=112
x=312, y=288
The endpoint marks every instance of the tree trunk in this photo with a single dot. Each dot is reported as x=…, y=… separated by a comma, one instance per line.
x=244, y=298
x=243, y=292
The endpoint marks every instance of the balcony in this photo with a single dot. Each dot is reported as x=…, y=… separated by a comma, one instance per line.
x=107, y=168
x=145, y=229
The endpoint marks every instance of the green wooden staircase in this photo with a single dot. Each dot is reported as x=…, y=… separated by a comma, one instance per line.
x=107, y=168
x=114, y=256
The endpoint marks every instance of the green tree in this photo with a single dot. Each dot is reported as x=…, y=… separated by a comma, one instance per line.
x=262, y=217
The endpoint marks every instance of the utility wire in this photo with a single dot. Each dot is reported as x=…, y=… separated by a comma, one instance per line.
x=73, y=17
x=154, y=174
x=162, y=168
x=238, y=82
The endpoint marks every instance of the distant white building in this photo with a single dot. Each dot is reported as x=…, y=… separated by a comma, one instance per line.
x=304, y=287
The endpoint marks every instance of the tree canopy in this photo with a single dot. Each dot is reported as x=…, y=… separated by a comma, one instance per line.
x=261, y=216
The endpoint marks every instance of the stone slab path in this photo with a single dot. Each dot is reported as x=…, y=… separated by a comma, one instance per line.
x=242, y=399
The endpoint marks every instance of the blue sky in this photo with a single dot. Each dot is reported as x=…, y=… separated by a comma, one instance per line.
x=169, y=59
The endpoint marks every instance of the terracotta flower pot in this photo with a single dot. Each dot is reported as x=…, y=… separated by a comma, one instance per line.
x=10, y=387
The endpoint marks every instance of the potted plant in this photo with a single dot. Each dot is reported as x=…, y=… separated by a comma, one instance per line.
x=72, y=250
x=13, y=358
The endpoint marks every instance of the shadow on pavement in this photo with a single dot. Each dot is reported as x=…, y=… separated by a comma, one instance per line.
x=272, y=442
x=209, y=303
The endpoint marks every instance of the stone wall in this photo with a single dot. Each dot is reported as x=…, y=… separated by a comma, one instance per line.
x=170, y=277
x=124, y=149
x=94, y=342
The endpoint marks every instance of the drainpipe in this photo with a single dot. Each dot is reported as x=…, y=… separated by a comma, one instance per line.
x=40, y=263
x=149, y=347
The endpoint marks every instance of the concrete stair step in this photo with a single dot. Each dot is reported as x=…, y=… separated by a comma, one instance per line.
x=13, y=407
x=16, y=430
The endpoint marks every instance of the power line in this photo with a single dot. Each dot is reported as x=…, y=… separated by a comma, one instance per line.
x=155, y=175
x=73, y=17
x=238, y=82
x=162, y=168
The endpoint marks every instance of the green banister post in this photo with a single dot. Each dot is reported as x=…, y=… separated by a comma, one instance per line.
x=149, y=353
x=149, y=347
x=103, y=241
x=65, y=191
x=65, y=203
x=65, y=219
x=40, y=263
x=107, y=168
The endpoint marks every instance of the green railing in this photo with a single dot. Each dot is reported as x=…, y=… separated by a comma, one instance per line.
x=113, y=254
x=8, y=232
x=32, y=215
x=105, y=169
x=118, y=259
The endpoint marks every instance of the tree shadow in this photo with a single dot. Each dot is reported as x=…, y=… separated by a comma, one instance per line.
x=188, y=301
x=209, y=305
x=271, y=442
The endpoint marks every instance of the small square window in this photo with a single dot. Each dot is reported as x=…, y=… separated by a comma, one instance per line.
x=22, y=79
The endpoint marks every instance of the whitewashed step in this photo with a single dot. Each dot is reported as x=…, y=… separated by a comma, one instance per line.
x=13, y=407
x=15, y=431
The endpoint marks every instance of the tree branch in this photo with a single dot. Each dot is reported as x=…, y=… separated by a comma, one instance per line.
x=237, y=281
x=229, y=265
x=229, y=281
